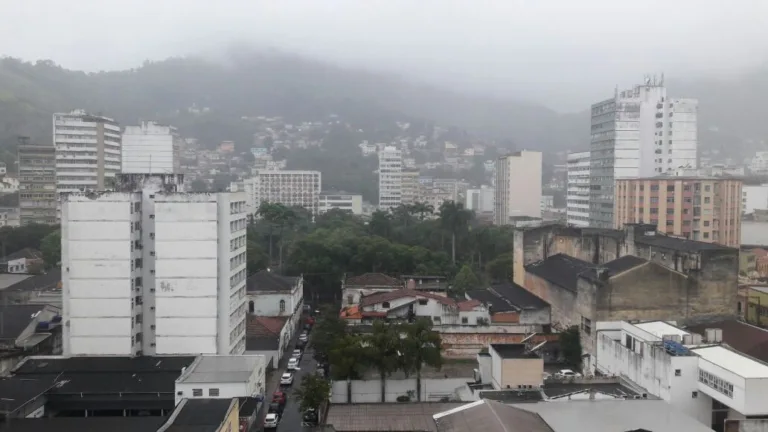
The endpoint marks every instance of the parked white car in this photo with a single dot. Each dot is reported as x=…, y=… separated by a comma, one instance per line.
x=303, y=337
x=293, y=363
x=297, y=353
x=567, y=373
x=271, y=421
x=286, y=379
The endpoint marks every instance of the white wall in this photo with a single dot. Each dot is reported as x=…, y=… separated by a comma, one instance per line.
x=739, y=400
x=754, y=197
x=369, y=391
x=518, y=186
x=496, y=378
x=150, y=148
x=96, y=275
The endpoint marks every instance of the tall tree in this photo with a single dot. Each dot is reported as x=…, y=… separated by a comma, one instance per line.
x=454, y=219
x=465, y=280
x=421, y=346
x=380, y=223
x=280, y=216
x=382, y=347
x=422, y=209
x=346, y=357
x=313, y=392
x=50, y=246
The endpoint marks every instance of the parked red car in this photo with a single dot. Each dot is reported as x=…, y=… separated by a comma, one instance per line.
x=279, y=397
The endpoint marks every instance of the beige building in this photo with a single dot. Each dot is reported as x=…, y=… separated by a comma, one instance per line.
x=37, y=184
x=518, y=186
x=706, y=209
x=514, y=366
x=410, y=190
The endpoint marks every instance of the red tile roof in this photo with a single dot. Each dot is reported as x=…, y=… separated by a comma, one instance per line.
x=373, y=280
x=265, y=326
x=401, y=293
x=468, y=305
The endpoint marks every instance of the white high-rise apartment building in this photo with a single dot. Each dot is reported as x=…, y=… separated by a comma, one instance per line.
x=480, y=200
x=151, y=148
x=148, y=270
x=754, y=197
x=390, y=180
x=88, y=155
x=577, y=189
x=291, y=188
x=518, y=186
x=638, y=132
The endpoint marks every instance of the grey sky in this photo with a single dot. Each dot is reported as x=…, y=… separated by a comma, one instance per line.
x=564, y=53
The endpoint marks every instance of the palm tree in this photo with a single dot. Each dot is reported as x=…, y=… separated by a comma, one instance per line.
x=422, y=209
x=421, y=346
x=382, y=347
x=454, y=219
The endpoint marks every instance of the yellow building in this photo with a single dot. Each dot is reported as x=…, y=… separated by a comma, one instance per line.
x=756, y=312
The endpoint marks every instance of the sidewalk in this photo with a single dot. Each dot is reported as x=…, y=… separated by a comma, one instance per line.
x=272, y=382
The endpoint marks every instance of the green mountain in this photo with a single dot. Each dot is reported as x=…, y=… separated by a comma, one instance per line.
x=252, y=83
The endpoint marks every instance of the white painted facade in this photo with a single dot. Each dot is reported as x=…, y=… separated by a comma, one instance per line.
x=287, y=187
x=153, y=271
x=480, y=200
x=390, y=181
x=518, y=186
x=690, y=378
x=88, y=151
x=759, y=163
x=278, y=303
x=439, y=312
x=639, y=132
x=577, y=189
x=754, y=197
x=151, y=148
x=342, y=201
x=222, y=377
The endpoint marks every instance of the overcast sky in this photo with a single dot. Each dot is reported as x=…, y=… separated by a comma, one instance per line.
x=563, y=53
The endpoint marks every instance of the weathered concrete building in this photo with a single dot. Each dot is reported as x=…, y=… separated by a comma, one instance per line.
x=588, y=274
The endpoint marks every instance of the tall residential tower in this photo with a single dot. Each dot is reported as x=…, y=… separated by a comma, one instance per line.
x=88, y=155
x=390, y=177
x=518, y=187
x=638, y=132
x=149, y=270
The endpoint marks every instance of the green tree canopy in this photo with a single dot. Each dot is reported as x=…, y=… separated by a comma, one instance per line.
x=50, y=246
x=465, y=280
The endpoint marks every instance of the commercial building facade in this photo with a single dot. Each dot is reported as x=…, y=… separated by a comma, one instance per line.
x=706, y=209
x=288, y=187
x=153, y=271
x=151, y=148
x=518, y=186
x=88, y=151
x=638, y=132
x=577, y=189
x=411, y=192
x=37, y=184
x=352, y=203
x=390, y=177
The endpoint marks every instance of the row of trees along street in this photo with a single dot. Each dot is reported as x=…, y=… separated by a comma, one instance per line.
x=406, y=240
x=387, y=348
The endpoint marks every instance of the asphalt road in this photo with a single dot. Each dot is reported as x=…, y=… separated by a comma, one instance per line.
x=291, y=421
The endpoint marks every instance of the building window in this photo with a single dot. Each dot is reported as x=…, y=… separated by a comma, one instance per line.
x=251, y=306
x=715, y=382
x=706, y=223
x=464, y=320
x=694, y=395
x=385, y=305
x=423, y=302
x=678, y=372
x=706, y=200
x=586, y=325
x=671, y=188
x=282, y=306
x=213, y=392
x=350, y=299
x=706, y=188
x=706, y=235
x=197, y=392
x=436, y=319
